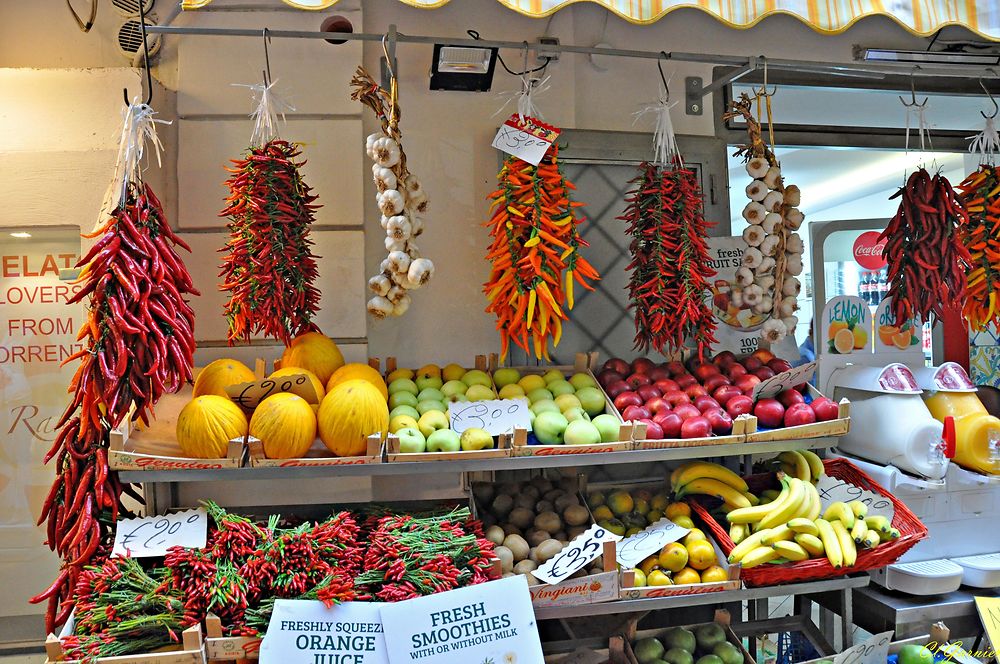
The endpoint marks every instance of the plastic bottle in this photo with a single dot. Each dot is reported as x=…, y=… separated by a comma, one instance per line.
x=977, y=441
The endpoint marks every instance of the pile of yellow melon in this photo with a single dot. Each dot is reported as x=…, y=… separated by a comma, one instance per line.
x=351, y=404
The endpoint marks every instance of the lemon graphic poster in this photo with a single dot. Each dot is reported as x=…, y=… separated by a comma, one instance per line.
x=846, y=326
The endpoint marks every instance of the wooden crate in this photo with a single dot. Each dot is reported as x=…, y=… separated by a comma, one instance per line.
x=741, y=425
x=621, y=646
x=318, y=455
x=191, y=650
x=591, y=589
x=629, y=591
x=831, y=428
x=221, y=648
x=393, y=455
x=521, y=448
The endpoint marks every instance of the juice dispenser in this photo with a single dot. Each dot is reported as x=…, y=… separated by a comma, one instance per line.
x=889, y=422
x=948, y=392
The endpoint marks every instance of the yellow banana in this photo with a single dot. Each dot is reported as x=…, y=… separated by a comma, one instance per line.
x=798, y=462
x=754, y=500
x=778, y=534
x=831, y=545
x=706, y=469
x=817, y=504
x=811, y=543
x=769, y=494
x=839, y=511
x=871, y=539
x=859, y=530
x=738, y=532
x=859, y=508
x=758, y=512
x=878, y=523
x=791, y=550
x=788, y=469
x=713, y=487
x=789, y=508
x=889, y=536
x=759, y=556
x=746, y=546
x=676, y=472
x=816, y=468
x=801, y=525
x=847, y=546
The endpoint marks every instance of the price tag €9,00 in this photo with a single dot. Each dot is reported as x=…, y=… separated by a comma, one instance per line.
x=153, y=535
x=576, y=555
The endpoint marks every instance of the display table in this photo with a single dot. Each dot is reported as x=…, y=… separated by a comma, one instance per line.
x=877, y=609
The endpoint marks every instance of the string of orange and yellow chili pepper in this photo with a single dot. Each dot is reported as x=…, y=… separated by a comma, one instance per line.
x=980, y=192
x=534, y=254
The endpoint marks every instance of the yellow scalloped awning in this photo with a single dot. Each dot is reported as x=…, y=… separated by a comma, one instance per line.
x=921, y=17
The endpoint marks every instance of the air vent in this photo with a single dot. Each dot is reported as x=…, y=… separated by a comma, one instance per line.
x=130, y=8
x=130, y=38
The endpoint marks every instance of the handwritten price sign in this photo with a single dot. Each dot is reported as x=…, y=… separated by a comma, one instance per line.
x=152, y=535
x=632, y=550
x=526, y=138
x=832, y=490
x=496, y=416
x=778, y=383
x=249, y=395
x=873, y=651
x=576, y=555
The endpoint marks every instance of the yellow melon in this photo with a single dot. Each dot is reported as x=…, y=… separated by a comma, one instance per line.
x=351, y=412
x=285, y=424
x=220, y=374
x=207, y=424
x=316, y=352
x=293, y=371
x=357, y=371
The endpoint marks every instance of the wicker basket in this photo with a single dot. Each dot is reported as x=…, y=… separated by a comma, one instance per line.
x=911, y=531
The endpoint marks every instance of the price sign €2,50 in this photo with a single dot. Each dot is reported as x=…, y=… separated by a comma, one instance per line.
x=576, y=555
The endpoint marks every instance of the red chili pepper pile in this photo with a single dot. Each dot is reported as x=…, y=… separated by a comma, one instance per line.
x=139, y=344
x=269, y=267
x=981, y=236
x=927, y=260
x=669, y=271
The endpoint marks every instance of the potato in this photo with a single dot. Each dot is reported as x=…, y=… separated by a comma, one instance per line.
x=521, y=517
x=544, y=506
x=575, y=531
x=566, y=500
x=525, y=566
x=576, y=515
x=524, y=501
x=561, y=536
x=536, y=536
x=549, y=522
x=531, y=491
x=495, y=534
x=552, y=494
x=517, y=546
x=533, y=554
x=483, y=491
x=502, y=505
x=507, y=575
x=532, y=581
x=511, y=529
x=547, y=549
x=506, y=557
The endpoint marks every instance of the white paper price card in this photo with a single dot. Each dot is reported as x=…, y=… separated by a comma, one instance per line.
x=249, y=395
x=496, y=416
x=526, y=138
x=576, y=555
x=307, y=632
x=152, y=535
x=778, y=383
x=487, y=622
x=872, y=651
x=632, y=550
x=832, y=490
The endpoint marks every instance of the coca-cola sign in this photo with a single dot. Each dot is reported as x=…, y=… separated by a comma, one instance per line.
x=868, y=251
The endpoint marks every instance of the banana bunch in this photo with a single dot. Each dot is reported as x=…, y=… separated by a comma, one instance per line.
x=711, y=479
x=803, y=464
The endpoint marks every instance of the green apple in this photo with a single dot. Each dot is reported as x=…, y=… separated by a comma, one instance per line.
x=431, y=421
x=544, y=406
x=550, y=427
x=539, y=394
x=456, y=398
x=502, y=377
x=475, y=438
x=453, y=387
x=553, y=375
x=430, y=394
x=609, y=427
x=558, y=387
x=405, y=410
x=403, y=385
x=444, y=440
x=401, y=422
x=573, y=414
x=531, y=382
x=531, y=418
x=477, y=377
x=479, y=392
x=453, y=372
x=567, y=401
x=411, y=440
x=424, y=382
x=403, y=399
x=427, y=406
x=582, y=432
x=582, y=380
x=592, y=400
x=511, y=391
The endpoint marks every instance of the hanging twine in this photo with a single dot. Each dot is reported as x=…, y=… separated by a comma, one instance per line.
x=525, y=98
x=986, y=143
x=267, y=108
x=138, y=128
x=664, y=142
x=918, y=112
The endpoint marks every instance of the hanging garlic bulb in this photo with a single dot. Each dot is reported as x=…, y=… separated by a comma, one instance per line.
x=772, y=202
x=398, y=228
x=421, y=270
x=417, y=203
x=392, y=244
x=744, y=276
x=752, y=257
x=765, y=281
x=756, y=191
x=788, y=306
x=379, y=284
x=412, y=185
x=792, y=196
x=399, y=261
x=771, y=222
x=385, y=152
x=791, y=322
x=379, y=307
x=753, y=235
x=769, y=245
x=793, y=218
x=384, y=178
x=370, y=143
x=764, y=306
x=401, y=306
x=752, y=295
x=754, y=213
x=793, y=264
x=773, y=177
x=391, y=202
x=767, y=265
x=757, y=167
x=791, y=286
x=793, y=244
x=773, y=331
x=416, y=226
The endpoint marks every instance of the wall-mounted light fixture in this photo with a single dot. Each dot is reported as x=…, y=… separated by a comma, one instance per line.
x=463, y=68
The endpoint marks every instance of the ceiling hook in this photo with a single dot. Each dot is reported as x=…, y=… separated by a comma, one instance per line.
x=762, y=91
x=388, y=58
x=145, y=59
x=267, y=59
x=913, y=103
x=996, y=108
x=659, y=66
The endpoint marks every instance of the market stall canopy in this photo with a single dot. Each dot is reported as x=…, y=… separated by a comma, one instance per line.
x=922, y=17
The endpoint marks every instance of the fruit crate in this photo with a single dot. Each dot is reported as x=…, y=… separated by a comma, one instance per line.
x=393, y=455
x=191, y=650
x=134, y=446
x=318, y=455
x=910, y=528
x=741, y=426
x=830, y=428
x=220, y=648
x=622, y=651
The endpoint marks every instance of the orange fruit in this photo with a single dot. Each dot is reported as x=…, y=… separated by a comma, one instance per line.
x=835, y=327
x=648, y=565
x=640, y=578
x=677, y=509
x=686, y=576
x=659, y=502
x=620, y=502
x=701, y=554
x=714, y=574
x=673, y=557
x=763, y=355
x=843, y=341
x=901, y=340
x=886, y=333
x=860, y=338
x=658, y=578
x=602, y=513
x=696, y=535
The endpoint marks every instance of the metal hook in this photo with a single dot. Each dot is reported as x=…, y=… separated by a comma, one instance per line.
x=762, y=91
x=388, y=58
x=913, y=103
x=659, y=66
x=267, y=60
x=996, y=108
x=145, y=59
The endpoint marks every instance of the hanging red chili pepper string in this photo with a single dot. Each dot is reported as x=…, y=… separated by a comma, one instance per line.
x=980, y=193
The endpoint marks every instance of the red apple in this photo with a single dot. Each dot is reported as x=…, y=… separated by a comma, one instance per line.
x=633, y=413
x=626, y=399
x=778, y=365
x=798, y=414
x=636, y=380
x=763, y=355
x=764, y=373
x=705, y=371
x=670, y=423
x=704, y=402
x=687, y=411
x=684, y=380
x=616, y=388
x=736, y=370
x=789, y=398
x=658, y=373
x=724, y=393
x=695, y=390
x=826, y=409
x=676, y=368
x=642, y=365
x=696, y=427
x=752, y=363
x=725, y=359
x=770, y=413
x=740, y=404
x=657, y=404
x=676, y=397
x=648, y=392
x=653, y=430
x=618, y=365
x=722, y=423
x=607, y=376
x=746, y=383
x=666, y=385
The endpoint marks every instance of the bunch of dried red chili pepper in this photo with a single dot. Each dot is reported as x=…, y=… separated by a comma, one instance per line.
x=138, y=344
x=980, y=193
x=669, y=271
x=927, y=260
x=269, y=267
